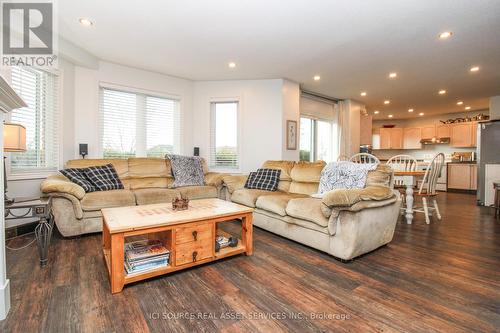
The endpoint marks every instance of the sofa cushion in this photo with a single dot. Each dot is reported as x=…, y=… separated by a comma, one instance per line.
x=285, y=167
x=348, y=197
x=307, y=209
x=146, y=196
x=276, y=202
x=381, y=176
x=234, y=182
x=107, y=199
x=198, y=192
x=143, y=167
x=103, y=177
x=303, y=188
x=149, y=182
x=309, y=172
x=247, y=197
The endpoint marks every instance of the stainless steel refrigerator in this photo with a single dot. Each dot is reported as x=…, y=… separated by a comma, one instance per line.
x=488, y=153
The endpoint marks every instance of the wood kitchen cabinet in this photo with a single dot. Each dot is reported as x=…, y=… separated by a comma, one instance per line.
x=443, y=131
x=463, y=134
x=412, y=137
x=428, y=132
x=391, y=138
x=462, y=176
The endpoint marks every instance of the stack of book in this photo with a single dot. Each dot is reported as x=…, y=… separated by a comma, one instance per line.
x=145, y=255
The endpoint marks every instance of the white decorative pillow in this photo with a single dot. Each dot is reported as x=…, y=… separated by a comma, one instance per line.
x=343, y=174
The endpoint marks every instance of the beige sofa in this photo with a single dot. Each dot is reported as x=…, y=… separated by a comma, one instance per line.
x=146, y=181
x=344, y=223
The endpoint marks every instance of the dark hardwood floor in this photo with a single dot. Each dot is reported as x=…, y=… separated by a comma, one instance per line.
x=442, y=277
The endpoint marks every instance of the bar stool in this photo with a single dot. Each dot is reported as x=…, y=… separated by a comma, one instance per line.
x=496, y=202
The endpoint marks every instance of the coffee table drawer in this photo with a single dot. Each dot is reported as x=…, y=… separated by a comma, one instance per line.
x=193, y=251
x=193, y=233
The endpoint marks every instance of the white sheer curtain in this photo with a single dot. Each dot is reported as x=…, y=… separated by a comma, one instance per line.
x=341, y=112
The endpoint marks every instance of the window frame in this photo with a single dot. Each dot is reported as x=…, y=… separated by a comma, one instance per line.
x=314, y=136
x=135, y=90
x=239, y=112
x=41, y=174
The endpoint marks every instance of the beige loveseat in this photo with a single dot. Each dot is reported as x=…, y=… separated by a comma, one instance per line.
x=146, y=181
x=344, y=223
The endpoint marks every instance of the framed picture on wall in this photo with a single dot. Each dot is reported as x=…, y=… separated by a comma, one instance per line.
x=291, y=135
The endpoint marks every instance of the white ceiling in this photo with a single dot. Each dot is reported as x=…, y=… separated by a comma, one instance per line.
x=352, y=44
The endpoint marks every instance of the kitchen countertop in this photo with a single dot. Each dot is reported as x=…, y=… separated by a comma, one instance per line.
x=463, y=162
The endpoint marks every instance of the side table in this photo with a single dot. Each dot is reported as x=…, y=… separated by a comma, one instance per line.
x=36, y=207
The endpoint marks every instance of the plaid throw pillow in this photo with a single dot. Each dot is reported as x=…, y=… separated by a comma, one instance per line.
x=78, y=177
x=263, y=179
x=104, y=177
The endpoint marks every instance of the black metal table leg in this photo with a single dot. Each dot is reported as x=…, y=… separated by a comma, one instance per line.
x=43, y=233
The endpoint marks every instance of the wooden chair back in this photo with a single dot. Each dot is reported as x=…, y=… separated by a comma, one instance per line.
x=434, y=168
x=364, y=158
x=402, y=163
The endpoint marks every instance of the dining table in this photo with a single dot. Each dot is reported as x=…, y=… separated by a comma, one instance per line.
x=409, y=180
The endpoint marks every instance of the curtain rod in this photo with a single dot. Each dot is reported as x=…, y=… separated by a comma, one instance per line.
x=306, y=93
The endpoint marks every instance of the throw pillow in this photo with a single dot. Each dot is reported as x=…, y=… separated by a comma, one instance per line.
x=343, y=174
x=264, y=179
x=78, y=177
x=104, y=177
x=187, y=170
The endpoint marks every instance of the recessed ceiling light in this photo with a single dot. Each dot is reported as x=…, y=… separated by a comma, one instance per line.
x=460, y=103
x=442, y=92
x=410, y=110
x=393, y=75
x=445, y=34
x=387, y=101
x=85, y=21
x=363, y=93
x=232, y=65
x=390, y=116
x=467, y=108
x=421, y=114
x=376, y=112
x=474, y=69
x=317, y=77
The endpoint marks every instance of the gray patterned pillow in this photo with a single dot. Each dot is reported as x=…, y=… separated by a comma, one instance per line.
x=187, y=170
x=344, y=174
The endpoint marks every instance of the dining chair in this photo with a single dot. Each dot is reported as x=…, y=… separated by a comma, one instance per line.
x=402, y=163
x=364, y=158
x=342, y=158
x=427, y=188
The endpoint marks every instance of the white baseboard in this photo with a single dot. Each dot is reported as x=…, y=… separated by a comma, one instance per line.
x=4, y=300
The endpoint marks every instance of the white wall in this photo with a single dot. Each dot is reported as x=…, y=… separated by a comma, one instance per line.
x=353, y=120
x=291, y=111
x=418, y=122
x=261, y=117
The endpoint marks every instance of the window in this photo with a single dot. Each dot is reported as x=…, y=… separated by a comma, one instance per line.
x=316, y=139
x=137, y=124
x=39, y=89
x=224, y=135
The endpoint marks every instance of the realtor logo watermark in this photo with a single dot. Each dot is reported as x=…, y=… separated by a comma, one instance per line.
x=29, y=36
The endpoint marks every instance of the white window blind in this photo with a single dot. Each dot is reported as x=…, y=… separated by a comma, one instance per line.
x=224, y=135
x=39, y=89
x=137, y=124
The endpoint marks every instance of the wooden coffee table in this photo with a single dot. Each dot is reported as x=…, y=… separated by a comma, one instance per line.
x=188, y=234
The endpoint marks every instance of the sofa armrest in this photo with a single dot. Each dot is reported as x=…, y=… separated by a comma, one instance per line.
x=234, y=182
x=61, y=184
x=214, y=179
x=349, y=197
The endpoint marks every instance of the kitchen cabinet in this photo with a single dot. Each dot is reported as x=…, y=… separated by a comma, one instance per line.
x=462, y=176
x=463, y=134
x=391, y=138
x=443, y=131
x=412, y=137
x=428, y=132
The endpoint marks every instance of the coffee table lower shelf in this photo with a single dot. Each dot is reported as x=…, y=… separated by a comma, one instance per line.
x=186, y=241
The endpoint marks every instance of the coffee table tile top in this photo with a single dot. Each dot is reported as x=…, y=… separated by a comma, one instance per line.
x=122, y=219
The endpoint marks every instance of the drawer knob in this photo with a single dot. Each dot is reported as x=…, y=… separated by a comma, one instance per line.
x=195, y=235
x=195, y=254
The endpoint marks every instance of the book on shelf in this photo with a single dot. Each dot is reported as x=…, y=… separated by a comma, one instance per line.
x=145, y=267
x=144, y=255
